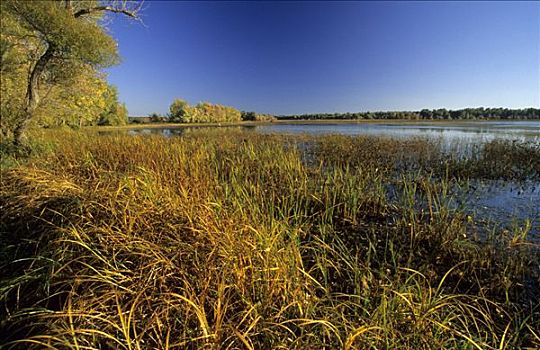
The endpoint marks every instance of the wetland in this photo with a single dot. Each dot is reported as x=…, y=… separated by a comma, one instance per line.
x=294, y=239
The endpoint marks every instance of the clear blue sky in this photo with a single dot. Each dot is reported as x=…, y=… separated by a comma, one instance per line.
x=304, y=57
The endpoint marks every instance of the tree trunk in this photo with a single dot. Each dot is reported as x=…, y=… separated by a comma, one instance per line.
x=32, y=97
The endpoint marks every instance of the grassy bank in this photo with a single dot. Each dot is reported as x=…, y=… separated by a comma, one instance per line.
x=232, y=240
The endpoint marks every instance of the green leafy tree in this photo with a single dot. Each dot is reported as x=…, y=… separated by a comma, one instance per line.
x=156, y=118
x=249, y=116
x=61, y=37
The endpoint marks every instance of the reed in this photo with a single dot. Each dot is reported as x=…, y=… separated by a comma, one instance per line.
x=234, y=240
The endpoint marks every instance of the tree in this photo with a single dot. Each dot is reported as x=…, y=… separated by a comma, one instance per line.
x=63, y=36
x=156, y=118
x=255, y=117
x=204, y=112
x=13, y=71
x=426, y=114
x=249, y=116
x=113, y=113
x=178, y=110
x=78, y=101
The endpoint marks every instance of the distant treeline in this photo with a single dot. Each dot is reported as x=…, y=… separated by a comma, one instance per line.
x=430, y=114
x=181, y=112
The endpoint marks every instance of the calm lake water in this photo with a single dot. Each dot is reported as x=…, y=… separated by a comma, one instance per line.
x=499, y=202
x=462, y=132
x=471, y=132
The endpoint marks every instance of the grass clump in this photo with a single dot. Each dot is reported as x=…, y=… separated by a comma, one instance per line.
x=232, y=240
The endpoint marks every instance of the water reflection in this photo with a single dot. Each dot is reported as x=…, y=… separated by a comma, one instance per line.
x=506, y=203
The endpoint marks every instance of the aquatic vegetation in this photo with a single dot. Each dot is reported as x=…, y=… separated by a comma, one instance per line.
x=236, y=240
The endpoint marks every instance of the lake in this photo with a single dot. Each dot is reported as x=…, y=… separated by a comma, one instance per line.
x=449, y=132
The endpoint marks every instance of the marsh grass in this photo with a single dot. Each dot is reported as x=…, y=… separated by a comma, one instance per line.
x=232, y=240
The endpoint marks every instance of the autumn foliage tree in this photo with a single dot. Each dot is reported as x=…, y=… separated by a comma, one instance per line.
x=58, y=42
x=204, y=112
x=178, y=111
x=113, y=113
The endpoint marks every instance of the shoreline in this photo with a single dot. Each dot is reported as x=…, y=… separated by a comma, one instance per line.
x=309, y=122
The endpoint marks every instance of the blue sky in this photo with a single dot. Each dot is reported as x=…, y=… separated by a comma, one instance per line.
x=307, y=57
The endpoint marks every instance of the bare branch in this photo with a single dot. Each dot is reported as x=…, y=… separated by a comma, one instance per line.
x=131, y=12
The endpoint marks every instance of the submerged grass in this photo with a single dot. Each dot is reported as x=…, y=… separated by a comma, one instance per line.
x=231, y=240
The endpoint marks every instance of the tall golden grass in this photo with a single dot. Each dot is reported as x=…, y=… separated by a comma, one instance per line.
x=231, y=240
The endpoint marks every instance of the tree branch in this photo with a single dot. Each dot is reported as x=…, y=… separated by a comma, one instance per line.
x=122, y=10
